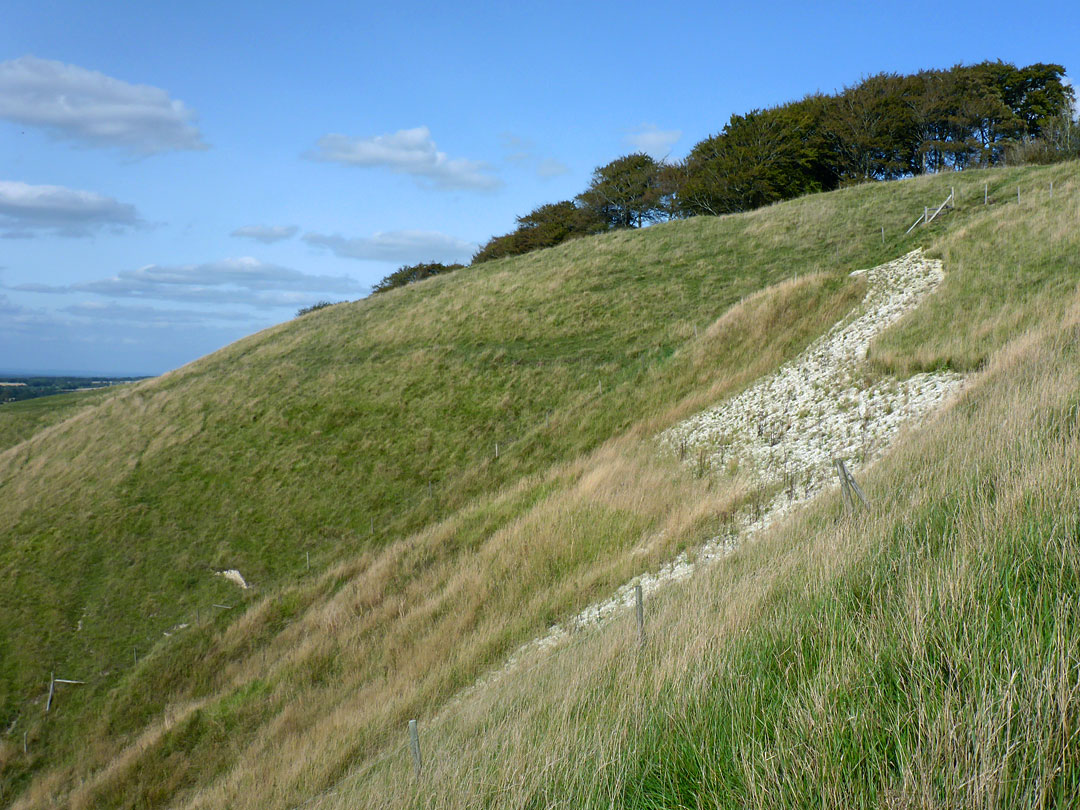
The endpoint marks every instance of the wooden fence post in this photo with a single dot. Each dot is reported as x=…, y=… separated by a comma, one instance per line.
x=848, y=506
x=414, y=744
x=52, y=686
x=848, y=485
x=639, y=607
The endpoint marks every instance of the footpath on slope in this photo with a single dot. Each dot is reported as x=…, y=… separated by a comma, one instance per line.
x=788, y=428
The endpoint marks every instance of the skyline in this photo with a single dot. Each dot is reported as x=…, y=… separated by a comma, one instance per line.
x=173, y=180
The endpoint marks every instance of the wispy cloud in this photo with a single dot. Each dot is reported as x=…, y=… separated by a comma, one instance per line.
x=407, y=151
x=267, y=234
x=150, y=315
x=244, y=281
x=651, y=139
x=26, y=210
x=549, y=167
x=94, y=109
x=523, y=151
x=396, y=246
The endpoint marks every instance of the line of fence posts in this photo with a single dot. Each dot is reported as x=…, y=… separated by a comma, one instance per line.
x=927, y=217
x=850, y=489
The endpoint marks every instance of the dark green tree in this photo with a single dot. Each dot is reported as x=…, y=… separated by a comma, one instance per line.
x=410, y=273
x=545, y=226
x=871, y=130
x=628, y=192
x=759, y=158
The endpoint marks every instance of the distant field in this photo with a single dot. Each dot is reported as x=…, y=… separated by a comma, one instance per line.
x=16, y=388
x=22, y=419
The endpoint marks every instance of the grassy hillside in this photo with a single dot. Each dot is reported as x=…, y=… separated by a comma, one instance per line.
x=22, y=419
x=362, y=438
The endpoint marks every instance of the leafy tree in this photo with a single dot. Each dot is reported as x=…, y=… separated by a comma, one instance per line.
x=628, y=192
x=411, y=273
x=759, y=158
x=545, y=226
x=871, y=129
x=313, y=307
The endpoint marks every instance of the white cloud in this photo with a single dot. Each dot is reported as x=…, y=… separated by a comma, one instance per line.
x=267, y=234
x=234, y=281
x=148, y=315
x=397, y=246
x=549, y=167
x=652, y=140
x=407, y=151
x=27, y=209
x=95, y=109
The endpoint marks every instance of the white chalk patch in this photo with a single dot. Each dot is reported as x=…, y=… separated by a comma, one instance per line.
x=787, y=429
x=234, y=577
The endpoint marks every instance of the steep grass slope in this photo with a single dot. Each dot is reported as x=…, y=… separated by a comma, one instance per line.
x=363, y=437
x=21, y=420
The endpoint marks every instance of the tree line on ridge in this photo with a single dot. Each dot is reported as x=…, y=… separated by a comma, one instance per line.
x=886, y=127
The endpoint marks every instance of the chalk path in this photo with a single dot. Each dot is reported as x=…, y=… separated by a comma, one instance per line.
x=788, y=427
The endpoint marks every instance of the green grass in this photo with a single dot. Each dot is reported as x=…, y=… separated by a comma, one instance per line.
x=21, y=420
x=362, y=437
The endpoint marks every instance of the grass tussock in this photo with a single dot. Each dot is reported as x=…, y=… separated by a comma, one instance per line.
x=834, y=659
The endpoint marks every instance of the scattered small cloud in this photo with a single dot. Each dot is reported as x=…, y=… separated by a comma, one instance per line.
x=244, y=280
x=652, y=140
x=549, y=167
x=149, y=315
x=26, y=210
x=267, y=234
x=94, y=109
x=523, y=151
x=7, y=307
x=407, y=151
x=396, y=246
x=512, y=142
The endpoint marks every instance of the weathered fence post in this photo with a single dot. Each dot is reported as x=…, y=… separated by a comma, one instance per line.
x=848, y=485
x=414, y=744
x=52, y=686
x=639, y=607
x=986, y=193
x=843, y=485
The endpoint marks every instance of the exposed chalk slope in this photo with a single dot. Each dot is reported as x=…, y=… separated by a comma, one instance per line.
x=787, y=428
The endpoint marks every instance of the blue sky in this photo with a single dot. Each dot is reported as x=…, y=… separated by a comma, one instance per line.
x=176, y=176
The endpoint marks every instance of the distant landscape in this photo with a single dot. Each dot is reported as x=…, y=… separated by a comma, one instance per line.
x=14, y=388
